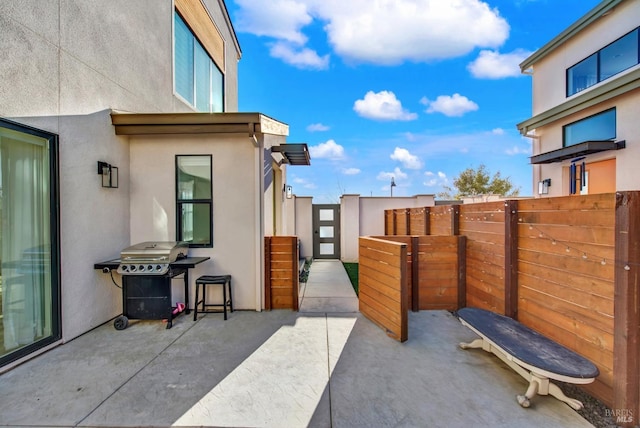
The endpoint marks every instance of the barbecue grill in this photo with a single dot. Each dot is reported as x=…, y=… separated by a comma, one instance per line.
x=147, y=269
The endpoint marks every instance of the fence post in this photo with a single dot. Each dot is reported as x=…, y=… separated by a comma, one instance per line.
x=427, y=220
x=415, y=273
x=295, y=272
x=626, y=324
x=267, y=273
x=455, y=220
x=511, y=259
x=462, y=272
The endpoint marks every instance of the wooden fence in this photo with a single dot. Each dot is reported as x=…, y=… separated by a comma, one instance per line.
x=281, y=276
x=568, y=267
x=382, y=285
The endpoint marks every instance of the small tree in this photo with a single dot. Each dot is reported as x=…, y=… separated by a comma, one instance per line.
x=472, y=182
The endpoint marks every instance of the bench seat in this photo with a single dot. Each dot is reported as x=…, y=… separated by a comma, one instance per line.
x=532, y=355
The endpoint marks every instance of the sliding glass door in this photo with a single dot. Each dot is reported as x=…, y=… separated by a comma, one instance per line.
x=29, y=262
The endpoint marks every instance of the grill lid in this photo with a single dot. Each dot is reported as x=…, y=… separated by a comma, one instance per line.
x=151, y=258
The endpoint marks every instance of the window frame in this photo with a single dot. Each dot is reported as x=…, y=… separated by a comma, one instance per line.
x=54, y=224
x=182, y=201
x=599, y=63
x=213, y=67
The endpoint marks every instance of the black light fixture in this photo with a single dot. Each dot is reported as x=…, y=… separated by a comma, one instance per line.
x=109, y=175
x=288, y=191
x=543, y=186
x=393, y=184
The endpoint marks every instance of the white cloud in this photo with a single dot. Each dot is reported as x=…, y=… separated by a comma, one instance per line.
x=517, y=150
x=407, y=159
x=304, y=58
x=454, y=105
x=329, y=150
x=435, y=179
x=386, y=32
x=397, y=174
x=382, y=106
x=497, y=131
x=351, y=171
x=304, y=183
x=282, y=19
x=390, y=32
x=494, y=65
x=317, y=127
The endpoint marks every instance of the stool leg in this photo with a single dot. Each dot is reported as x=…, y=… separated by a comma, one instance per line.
x=230, y=296
x=224, y=301
x=195, y=306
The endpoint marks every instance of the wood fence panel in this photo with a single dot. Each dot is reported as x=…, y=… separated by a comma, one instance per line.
x=566, y=266
x=383, y=291
x=389, y=223
x=402, y=221
x=438, y=279
x=484, y=227
x=419, y=221
x=440, y=220
x=281, y=272
x=408, y=241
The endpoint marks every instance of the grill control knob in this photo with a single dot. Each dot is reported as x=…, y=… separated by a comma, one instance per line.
x=141, y=268
x=125, y=268
x=159, y=268
x=132, y=268
x=150, y=268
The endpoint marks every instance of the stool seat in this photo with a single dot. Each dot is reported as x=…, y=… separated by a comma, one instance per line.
x=227, y=299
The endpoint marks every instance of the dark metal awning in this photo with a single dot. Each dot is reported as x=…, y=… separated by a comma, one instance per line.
x=577, y=150
x=293, y=154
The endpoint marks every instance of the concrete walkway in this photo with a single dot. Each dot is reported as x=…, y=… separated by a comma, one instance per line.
x=274, y=369
x=328, y=289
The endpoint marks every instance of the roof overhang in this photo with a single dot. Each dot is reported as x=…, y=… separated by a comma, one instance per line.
x=238, y=124
x=594, y=14
x=589, y=98
x=577, y=150
x=293, y=154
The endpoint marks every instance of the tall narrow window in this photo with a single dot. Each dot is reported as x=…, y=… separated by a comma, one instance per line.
x=194, y=200
x=29, y=263
x=198, y=80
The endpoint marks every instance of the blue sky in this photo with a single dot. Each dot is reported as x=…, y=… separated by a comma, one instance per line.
x=415, y=89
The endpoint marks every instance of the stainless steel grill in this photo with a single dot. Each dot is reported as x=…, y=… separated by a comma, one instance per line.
x=151, y=258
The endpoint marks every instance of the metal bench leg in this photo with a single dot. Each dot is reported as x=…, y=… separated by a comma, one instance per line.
x=195, y=306
x=525, y=400
x=476, y=344
x=224, y=300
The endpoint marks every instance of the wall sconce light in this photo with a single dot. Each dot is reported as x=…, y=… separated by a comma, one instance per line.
x=543, y=186
x=109, y=175
x=288, y=190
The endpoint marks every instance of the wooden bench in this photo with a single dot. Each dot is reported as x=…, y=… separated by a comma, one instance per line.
x=532, y=355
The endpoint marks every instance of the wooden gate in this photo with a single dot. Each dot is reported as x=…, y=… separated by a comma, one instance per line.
x=383, y=291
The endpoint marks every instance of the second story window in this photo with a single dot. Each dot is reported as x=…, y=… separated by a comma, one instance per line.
x=197, y=78
x=607, y=62
x=599, y=127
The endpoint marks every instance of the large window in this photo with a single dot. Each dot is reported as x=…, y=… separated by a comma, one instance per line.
x=607, y=62
x=194, y=196
x=599, y=127
x=197, y=78
x=29, y=261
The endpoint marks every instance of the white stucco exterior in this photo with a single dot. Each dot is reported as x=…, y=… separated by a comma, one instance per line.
x=552, y=109
x=72, y=64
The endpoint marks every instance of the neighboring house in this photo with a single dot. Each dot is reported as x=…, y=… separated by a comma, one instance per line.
x=586, y=103
x=148, y=88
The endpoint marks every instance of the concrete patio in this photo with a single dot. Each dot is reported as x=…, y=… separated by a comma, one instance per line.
x=274, y=369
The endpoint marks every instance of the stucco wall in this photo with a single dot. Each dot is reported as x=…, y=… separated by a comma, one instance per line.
x=153, y=215
x=549, y=78
x=364, y=216
x=70, y=62
x=304, y=224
